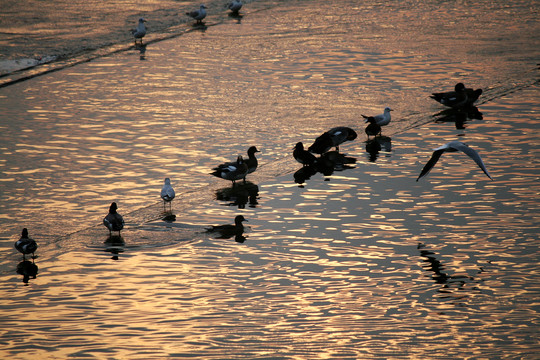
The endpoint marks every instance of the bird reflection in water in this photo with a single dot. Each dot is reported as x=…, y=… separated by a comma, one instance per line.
x=168, y=216
x=376, y=145
x=459, y=116
x=28, y=269
x=115, y=245
x=142, y=51
x=240, y=195
x=227, y=231
x=326, y=164
x=436, y=267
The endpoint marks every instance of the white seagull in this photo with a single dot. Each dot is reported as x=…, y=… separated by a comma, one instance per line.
x=140, y=31
x=453, y=146
x=198, y=14
x=167, y=192
x=381, y=119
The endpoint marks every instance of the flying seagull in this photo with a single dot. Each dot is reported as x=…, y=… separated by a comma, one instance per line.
x=453, y=146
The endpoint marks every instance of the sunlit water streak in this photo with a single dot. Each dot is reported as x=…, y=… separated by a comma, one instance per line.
x=364, y=262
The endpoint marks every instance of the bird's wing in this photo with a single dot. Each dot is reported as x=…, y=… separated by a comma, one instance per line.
x=473, y=155
x=431, y=163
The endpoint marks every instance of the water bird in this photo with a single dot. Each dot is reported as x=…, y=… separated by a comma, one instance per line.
x=332, y=138
x=235, y=6
x=140, y=31
x=381, y=119
x=472, y=95
x=303, y=156
x=373, y=128
x=341, y=134
x=453, y=146
x=26, y=245
x=321, y=144
x=251, y=161
x=198, y=14
x=113, y=221
x=167, y=192
x=228, y=230
x=454, y=99
x=232, y=170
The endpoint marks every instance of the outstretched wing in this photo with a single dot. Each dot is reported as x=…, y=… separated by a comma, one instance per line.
x=473, y=155
x=431, y=163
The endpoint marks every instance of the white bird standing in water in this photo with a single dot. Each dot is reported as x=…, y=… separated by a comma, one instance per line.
x=167, y=192
x=140, y=31
x=381, y=119
x=453, y=146
x=198, y=14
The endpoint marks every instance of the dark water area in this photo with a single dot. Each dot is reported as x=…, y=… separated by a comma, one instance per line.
x=351, y=260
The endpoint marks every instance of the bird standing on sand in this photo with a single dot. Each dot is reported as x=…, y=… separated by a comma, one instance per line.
x=198, y=14
x=140, y=31
x=25, y=245
x=167, y=192
x=453, y=146
x=381, y=119
x=229, y=230
x=113, y=221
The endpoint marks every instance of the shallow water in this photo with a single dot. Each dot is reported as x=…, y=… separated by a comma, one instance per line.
x=359, y=262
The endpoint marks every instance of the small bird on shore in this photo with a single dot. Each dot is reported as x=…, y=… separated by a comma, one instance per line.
x=373, y=128
x=140, y=31
x=228, y=230
x=453, y=146
x=167, y=192
x=113, y=221
x=381, y=119
x=303, y=156
x=454, y=99
x=198, y=14
x=235, y=6
x=231, y=171
x=25, y=245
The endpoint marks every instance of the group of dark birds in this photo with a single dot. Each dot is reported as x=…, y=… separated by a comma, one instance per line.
x=460, y=98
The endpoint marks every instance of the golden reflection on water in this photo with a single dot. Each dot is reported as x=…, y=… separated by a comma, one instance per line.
x=364, y=262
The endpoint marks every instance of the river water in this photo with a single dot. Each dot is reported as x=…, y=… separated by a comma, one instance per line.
x=355, y=261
